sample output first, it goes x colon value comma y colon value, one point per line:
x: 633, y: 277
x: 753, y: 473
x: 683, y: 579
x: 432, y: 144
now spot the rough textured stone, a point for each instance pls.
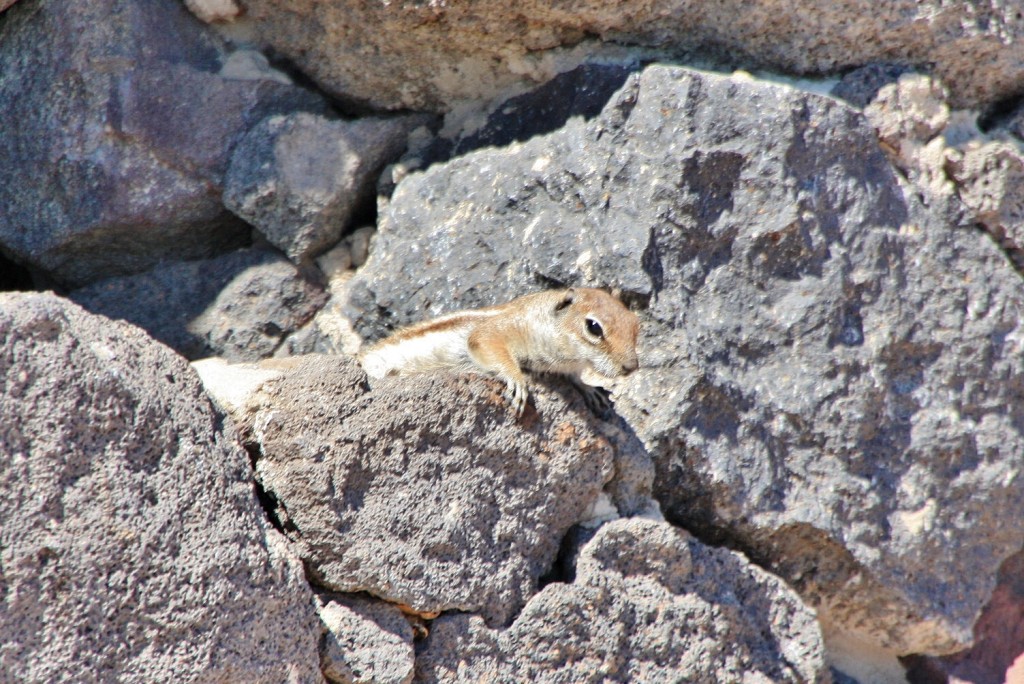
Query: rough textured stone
x: 998, y: 638
x: 648, y: 604
x: 910, y: 111
x: 430, y: 55
x: 116, y: 134
x: 298, y: 178
x: 974, y: 178
x: 367, y: 641
x: 990, y: 181
x: 1014, y: 121
x: 239, y: 305
x: 212, y: 11
x: 132, y: 545
x: 911, y: 116
x: 330, y: 331
x: 425, y: 491
x: 230, y: 385
x: 830, y: 375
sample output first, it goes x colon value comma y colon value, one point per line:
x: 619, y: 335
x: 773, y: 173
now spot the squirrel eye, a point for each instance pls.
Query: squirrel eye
x: 594, y: 328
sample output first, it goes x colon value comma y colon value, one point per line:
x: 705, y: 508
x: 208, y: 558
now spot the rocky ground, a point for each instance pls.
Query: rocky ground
x: 817, y: 212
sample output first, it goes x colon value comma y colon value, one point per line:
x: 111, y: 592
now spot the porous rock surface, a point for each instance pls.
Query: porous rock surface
x: 970, y: 176
x: 425, y: 491
x: 116, y: 135
x: 649, y: 603
x: 298, y: 178
x: 990, y: 176
x: 132, y: 546
x: 367, y: 641
x: 431, y: 55
x: 239, y: 305
x: 830, y: 375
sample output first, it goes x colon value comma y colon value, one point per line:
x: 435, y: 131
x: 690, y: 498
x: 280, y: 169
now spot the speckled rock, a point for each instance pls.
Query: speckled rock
x: 367, y: 641
x: 239, y: 306
x: 830, y: 372
x: 132, y: 544
x: 648, y: 604
x: 432, y: 55
x: 990, y: 182
x: 425, y: 491
x: 298, y: 178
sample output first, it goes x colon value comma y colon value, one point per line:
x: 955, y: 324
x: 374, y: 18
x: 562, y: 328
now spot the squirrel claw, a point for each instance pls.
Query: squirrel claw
x: 596, y: 398
x: 517, y: 397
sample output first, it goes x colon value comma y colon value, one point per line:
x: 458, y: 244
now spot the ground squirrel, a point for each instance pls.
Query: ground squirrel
x: 560, y: 331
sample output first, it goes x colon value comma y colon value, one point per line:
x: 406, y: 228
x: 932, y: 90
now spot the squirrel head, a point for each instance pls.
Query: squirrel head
x: 604, y: 329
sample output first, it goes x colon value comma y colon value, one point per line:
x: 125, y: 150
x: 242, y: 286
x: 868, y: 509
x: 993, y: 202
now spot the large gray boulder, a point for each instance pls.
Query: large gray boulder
x: 299, y: 178
x: 116, y: 135
x: 433, y: 55
x: 132, y: 544
x: 649, y: 603
x: 830, y: 375
x: 425, y: 491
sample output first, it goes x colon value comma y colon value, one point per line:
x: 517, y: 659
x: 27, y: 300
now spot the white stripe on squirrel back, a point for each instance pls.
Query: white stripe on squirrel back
x: 562, y: 331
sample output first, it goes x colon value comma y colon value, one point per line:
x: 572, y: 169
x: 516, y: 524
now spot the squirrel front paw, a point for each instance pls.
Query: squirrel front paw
x: 596, y: 399
x: 517, y: 394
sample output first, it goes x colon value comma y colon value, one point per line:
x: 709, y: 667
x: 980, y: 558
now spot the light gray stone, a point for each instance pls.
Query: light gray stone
x: 367, y: 641
x: 990, y: 181
x: 434, y: 55
x: 132, y: 546
x: 239, y: 306
x: 425, y: 491
x: 116, y: 135
x: 298, y: 178
x: 212, y: 11
x: 648, y: 604
x: 973, y: 178
x: 830, y: 373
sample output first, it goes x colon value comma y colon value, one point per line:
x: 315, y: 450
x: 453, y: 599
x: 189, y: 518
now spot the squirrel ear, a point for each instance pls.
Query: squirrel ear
x: 566, y: 300
x: 616, y: 292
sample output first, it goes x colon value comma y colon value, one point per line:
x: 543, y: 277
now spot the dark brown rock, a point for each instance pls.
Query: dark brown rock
x: 433, y: 55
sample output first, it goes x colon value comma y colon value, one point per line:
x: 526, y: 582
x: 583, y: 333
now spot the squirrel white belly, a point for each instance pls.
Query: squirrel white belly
x: 560, y: 331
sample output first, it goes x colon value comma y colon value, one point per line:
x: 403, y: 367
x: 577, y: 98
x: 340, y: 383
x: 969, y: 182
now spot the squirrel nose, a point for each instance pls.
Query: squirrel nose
x: 630, y: 364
